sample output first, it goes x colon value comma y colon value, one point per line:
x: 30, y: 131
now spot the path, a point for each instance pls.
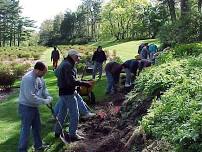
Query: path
x: 46, y: 57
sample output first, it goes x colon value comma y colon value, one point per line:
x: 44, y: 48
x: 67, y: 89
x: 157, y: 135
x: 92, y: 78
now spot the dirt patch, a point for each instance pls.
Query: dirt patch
x: 108, y: 131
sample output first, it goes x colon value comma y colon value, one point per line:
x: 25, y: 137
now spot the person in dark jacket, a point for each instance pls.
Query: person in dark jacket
x: 140, y: 47
x: 130, y: 67
x: 55, y: 56
x: 99, y: 57
x: 68, y: 97
x: 113, y: 70
x: 144, y: 54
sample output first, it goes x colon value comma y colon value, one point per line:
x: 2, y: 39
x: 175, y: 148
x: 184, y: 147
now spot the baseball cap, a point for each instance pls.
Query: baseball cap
x: 72, y: 52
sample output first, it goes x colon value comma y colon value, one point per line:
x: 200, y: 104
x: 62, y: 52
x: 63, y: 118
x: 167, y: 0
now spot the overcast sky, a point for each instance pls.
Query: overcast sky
x: 40, y: 10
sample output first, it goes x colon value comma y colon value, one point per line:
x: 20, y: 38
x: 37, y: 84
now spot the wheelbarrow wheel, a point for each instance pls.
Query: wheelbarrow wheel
x: 91, y: 97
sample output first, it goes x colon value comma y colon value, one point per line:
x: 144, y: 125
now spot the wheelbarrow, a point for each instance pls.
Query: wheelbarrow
x: 87, y: 91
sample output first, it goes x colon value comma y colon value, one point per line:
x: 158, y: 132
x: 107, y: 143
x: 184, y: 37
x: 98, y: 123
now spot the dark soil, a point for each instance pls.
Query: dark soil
x: 108, y: 131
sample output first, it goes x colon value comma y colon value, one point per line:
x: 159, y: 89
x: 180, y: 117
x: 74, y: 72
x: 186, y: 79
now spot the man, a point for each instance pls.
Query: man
x: 130, y: 67
x: 113, y: 70
x: 33, y: 92
x: 140, y: 47
x: 69, y: 98
x: 98, y: 57
x: 144, y: 52
x: 55, y: 56
x: 152, y: 50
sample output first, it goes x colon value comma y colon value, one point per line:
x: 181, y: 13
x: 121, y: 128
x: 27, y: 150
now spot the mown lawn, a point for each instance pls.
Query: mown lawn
x: 125, y: 50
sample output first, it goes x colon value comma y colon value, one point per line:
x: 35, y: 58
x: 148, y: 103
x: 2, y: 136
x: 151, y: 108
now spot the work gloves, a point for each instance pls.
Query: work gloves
x: 48, y: 100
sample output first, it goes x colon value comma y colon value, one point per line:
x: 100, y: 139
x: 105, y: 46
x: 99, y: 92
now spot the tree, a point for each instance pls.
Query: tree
x: 11, y: 23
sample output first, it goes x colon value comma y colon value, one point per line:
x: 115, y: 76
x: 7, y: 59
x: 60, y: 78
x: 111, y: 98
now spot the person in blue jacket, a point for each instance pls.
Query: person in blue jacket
x: 152, y: 50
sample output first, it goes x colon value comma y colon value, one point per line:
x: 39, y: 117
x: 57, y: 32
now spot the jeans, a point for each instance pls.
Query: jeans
x: 97, y: 67
x: 74, y: 104
x: 110, y: 82
x: 30, y: 118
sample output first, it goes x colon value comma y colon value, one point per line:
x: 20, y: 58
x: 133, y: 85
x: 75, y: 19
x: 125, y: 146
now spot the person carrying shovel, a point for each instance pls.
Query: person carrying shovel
x: 69, y: 98
x: 33, y: 92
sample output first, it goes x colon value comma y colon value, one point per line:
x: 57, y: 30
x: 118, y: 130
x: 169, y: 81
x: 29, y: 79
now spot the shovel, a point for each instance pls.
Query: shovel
x: 50, y: 106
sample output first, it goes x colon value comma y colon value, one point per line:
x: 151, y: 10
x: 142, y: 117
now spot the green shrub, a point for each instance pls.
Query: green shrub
x: 20, y: 69
x: 188, y: 49
x: 164, y: 57
x: 7, y: 77
x: 175, y: 117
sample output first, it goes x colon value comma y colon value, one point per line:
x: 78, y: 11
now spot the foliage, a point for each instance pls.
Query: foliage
x: 176, y: 115
x: 14, y: 28
x: 188, y: 49
x: 7, y: 77
x: 12, y: 53
x: 20, y: 69
x: 181, y: 31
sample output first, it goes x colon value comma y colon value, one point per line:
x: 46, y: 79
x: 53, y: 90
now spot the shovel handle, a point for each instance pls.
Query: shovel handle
x: 50, y: 106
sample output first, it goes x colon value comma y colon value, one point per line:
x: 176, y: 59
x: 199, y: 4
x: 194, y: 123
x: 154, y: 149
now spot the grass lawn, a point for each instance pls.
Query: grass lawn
x: 125, y: 50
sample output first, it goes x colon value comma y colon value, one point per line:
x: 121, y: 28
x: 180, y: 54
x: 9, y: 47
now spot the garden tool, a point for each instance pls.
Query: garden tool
x: 50, y: 106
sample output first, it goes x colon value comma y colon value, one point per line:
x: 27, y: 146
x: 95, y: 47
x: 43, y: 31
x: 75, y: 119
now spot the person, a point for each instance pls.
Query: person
x: 69, y: 99
x: 99, y: 57
x: 144, y: 52
x: 113, y: 70
x: 33, y: 92
x: 55, y: 56
x: 152, y: 50
x: 130, y: 67
x: 140, y: 47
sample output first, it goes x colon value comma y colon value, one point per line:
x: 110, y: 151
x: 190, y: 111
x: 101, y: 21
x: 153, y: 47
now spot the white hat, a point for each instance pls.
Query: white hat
x: 72, y: 52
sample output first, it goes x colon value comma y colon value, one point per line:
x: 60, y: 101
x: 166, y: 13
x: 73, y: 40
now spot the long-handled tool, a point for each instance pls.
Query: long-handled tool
x: 50, y: 106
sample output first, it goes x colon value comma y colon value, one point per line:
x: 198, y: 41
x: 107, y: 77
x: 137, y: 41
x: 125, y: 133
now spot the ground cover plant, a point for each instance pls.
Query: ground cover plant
x: 175, y: 114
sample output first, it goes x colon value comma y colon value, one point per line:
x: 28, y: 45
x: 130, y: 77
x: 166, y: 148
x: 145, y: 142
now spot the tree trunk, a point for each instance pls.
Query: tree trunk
x: 200, y: 28
x: 184, y: 5
x: 171, y: 5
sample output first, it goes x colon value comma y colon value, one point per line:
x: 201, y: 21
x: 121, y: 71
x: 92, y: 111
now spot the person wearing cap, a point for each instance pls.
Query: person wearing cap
x: 69, y: 99
x: 33, y: 92
x: 99, y: 57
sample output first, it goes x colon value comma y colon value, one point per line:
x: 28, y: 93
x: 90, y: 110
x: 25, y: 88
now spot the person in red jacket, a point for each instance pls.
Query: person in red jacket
x: 55, y: 56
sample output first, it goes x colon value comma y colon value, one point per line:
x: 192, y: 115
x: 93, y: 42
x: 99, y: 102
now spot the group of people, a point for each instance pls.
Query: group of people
x: 33, y: 92
x: 131, y: 67
x: 147, y: 51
